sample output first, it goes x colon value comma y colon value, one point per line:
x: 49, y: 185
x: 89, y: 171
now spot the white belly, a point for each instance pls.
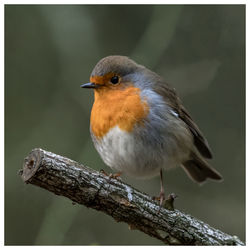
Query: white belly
x: 124, y: 152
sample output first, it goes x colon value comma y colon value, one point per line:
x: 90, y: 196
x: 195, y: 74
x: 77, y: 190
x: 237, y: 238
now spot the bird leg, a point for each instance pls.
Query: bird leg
x: 162, y: 192
x: 166, y: 203
x: 161, y: 196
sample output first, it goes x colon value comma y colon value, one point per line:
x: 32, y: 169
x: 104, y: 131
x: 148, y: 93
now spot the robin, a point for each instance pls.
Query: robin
x: 139, y: 125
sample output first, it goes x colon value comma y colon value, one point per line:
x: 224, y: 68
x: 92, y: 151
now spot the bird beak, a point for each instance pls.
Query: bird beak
x: 89, y: 85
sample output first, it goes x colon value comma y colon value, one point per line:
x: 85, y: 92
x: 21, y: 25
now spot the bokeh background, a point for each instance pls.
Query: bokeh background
x: 51, y: 49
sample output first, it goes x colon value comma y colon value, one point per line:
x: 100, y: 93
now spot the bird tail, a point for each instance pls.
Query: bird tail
x: 199, y: 170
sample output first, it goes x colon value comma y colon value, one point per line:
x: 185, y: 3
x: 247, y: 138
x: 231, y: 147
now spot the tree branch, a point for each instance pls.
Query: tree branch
x: 88, y: 187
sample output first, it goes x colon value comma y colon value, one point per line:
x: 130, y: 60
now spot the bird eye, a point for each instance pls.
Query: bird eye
x: 114, y: 79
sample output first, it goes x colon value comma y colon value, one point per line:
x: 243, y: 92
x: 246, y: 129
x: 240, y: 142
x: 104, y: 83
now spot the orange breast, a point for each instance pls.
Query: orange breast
x: 117, y: 107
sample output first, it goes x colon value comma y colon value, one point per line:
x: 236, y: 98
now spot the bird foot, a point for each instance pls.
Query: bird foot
x: 160, y: 198
x: 166, y: 203
x: 114, y: 176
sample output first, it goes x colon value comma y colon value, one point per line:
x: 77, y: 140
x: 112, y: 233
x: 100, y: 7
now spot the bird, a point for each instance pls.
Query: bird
x: 140, y: 127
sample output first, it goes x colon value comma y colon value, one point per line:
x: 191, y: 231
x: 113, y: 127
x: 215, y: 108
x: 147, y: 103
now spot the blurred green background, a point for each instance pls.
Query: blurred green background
x: 51, y: 49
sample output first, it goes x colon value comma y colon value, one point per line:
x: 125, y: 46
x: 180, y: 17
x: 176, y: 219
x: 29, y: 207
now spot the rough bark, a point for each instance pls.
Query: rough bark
x: 88, y: 187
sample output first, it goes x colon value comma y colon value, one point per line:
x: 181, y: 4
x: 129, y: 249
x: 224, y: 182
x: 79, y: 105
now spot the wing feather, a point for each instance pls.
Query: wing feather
x: 174, y: 102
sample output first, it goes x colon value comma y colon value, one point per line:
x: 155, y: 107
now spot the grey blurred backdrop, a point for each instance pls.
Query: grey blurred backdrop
x: 51, y: 49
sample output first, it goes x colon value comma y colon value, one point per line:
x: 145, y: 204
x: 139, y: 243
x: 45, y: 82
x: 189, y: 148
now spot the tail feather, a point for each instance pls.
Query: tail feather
x: 199, y: 170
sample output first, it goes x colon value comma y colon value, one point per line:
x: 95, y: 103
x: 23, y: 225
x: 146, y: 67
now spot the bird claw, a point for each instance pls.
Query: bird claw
x: 113, y: 176
x: 103, y: 172
x: 166, y: 203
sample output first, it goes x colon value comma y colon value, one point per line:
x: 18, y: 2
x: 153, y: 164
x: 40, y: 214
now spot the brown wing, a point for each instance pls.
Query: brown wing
x: 199, y: 140
x: 174, y: 102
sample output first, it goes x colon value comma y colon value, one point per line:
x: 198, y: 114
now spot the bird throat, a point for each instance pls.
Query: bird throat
x: 117, y: 107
